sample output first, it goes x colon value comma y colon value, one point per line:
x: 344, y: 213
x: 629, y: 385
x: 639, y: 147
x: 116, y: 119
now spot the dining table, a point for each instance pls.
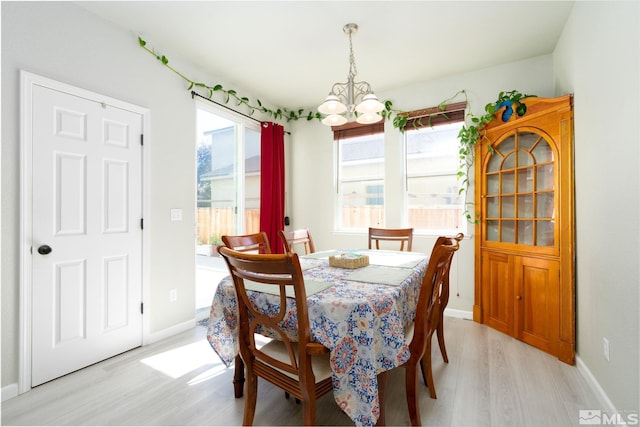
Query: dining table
x: 359, y: 314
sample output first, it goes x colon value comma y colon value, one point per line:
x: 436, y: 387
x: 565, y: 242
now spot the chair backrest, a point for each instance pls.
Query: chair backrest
x: 255, y: 243
x: 428, y: 308
x: 443, y: 239
x: 402, y: 235
x: 444, y: 296
x: 276, y: 272
x: 447, y: 240
x: 297, y: 237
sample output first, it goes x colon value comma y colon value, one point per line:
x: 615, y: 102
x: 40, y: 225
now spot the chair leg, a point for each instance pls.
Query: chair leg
x: 251, y: 394
x: 238, y: 377
x: 382, y: 390
x: 411, y: 385
x: 427, y: 375
x: 440, y: 334
x: 309, y: 412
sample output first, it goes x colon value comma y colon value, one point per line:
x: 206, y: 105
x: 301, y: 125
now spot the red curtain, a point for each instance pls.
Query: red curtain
x: 272, y: 183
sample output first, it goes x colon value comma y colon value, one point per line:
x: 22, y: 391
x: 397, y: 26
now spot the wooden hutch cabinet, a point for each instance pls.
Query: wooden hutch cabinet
x: 524, y: 245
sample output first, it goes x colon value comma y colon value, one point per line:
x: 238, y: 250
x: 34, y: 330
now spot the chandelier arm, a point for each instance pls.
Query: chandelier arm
x: 338, y: 89
x: 360, y: 89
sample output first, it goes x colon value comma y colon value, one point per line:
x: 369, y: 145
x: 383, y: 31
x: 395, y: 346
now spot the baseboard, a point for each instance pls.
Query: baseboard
x: 169, y: 332
x: 607, y: 404
x: 9, y: 391
x: 460, y: 314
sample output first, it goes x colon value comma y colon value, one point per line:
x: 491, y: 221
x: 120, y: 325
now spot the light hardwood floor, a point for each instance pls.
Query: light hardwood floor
x: 490, y: 380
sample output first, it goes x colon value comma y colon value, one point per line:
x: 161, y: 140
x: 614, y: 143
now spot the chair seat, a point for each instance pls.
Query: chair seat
x: 408, y: 333
x: 319, y: 363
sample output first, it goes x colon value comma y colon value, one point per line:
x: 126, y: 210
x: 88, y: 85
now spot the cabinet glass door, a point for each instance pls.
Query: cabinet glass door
x: 519, y: 191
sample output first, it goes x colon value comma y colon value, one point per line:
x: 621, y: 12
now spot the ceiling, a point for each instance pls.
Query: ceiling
x: 289, y: 53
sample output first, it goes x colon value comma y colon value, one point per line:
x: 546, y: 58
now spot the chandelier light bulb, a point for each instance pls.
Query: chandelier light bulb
x: 368, y: 118
x: 370, y: 104
x: 334, y: 120
x: 332, y: 105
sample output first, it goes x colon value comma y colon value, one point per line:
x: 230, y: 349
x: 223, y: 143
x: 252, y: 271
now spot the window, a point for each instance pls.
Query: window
x: 360, y: 177
x: 417, y: 186
x: 433, y: 203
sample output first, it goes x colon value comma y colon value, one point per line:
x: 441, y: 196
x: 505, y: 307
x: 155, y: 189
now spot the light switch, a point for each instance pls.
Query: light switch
x: 176, y: 214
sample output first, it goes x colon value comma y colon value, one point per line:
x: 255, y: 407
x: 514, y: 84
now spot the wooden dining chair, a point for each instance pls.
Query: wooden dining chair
x: 402, y: 235
x: 297, y: 237
x: 418, y: 335
x: 444, y: 297
x: 300, y: 368
x: 257, y: 243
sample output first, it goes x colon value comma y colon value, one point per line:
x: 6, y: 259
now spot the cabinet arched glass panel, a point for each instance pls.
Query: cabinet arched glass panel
x: 519, y: 193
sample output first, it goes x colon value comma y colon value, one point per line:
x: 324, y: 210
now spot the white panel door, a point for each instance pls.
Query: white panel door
x: 87, y: 239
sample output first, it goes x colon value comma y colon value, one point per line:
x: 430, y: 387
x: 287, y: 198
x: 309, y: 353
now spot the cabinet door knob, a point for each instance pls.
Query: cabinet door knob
x: 518, y: 297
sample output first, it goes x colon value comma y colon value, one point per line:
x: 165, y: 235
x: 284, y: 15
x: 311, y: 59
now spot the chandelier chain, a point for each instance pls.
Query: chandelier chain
x: 352, y: 60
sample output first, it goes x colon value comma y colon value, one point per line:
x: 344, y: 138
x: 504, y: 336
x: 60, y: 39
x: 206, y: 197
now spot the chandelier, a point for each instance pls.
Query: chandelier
x: 352, y: 99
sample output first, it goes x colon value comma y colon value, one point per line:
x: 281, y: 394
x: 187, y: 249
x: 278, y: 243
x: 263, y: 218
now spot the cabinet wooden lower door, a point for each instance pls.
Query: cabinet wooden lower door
x: 497, y: 297
x: 536, y: 306
x: 521, y: 297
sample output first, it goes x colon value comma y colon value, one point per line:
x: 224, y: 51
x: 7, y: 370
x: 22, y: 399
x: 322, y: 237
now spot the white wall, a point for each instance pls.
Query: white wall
x: 312, y: 182
x: 61, y: 41
x: 597, y: 59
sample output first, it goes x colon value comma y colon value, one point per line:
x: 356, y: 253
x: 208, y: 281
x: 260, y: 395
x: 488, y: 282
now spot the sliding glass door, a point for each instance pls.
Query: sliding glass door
x: 228, y: 177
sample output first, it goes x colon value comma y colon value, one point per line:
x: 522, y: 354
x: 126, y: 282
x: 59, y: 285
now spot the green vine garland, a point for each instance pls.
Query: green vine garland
x: 280, y: 113
x: 470, y: 134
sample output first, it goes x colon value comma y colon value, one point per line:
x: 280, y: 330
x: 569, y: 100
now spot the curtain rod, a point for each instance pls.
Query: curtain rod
x: 194, y: 94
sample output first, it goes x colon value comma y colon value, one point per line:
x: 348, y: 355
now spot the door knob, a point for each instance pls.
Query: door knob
x: 518, y: 297
x: 44, y: 249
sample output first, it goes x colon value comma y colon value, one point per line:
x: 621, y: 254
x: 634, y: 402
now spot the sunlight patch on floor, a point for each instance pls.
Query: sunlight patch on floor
x: 209, y: 374
x: 182, y: 360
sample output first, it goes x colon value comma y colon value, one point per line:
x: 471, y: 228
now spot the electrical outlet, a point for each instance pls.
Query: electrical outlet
x: 173, y: 295
x: 605, y: 348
